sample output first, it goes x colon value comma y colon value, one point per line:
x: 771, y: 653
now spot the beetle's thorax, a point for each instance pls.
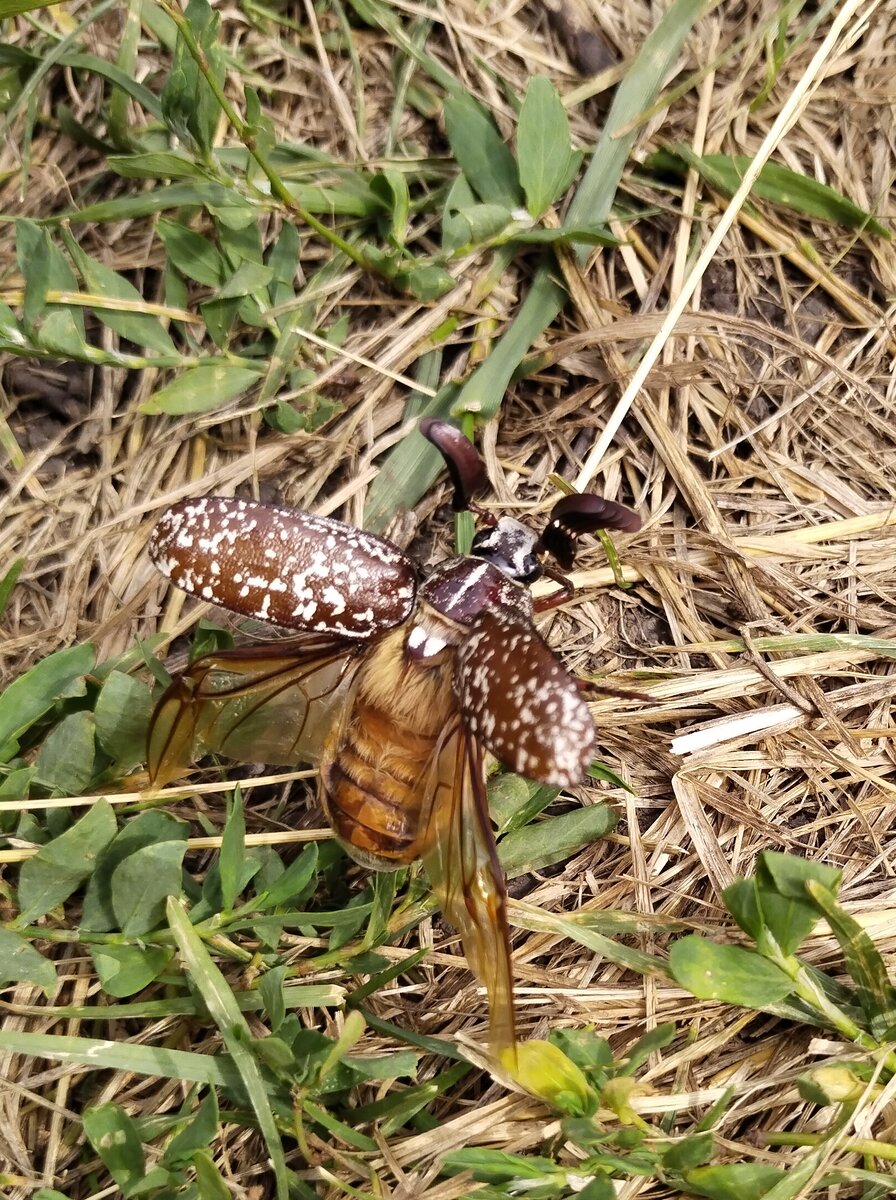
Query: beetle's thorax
x: 462, y: 587
x: 452, y: 597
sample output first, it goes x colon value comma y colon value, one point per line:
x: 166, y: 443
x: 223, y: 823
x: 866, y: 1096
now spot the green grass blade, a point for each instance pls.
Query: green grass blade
x: 590, y: 206
x: 100, y: 1054
x: 637, y: 91
x: 863, y: 962
x: 235, y: 1033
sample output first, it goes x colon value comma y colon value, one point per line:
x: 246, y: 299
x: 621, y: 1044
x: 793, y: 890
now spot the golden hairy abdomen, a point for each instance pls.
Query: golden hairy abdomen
x: 374, y: 772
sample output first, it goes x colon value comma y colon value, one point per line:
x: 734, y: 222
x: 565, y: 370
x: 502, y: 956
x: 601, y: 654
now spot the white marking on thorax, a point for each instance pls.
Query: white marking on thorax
x: 471, y: 579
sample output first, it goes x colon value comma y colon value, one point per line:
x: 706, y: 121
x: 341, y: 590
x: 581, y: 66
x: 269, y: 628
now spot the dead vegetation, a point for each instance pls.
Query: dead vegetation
x: 759, y: 452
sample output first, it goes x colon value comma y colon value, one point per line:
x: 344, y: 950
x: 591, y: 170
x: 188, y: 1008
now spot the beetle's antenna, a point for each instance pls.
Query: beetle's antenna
x: 582, y: 513
x: 465, y: 466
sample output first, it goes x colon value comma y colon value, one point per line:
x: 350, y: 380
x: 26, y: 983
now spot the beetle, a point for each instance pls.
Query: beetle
x: 398, y: 686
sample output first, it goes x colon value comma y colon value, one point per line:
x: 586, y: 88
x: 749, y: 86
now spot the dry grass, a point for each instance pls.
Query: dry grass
x: 760, y: 452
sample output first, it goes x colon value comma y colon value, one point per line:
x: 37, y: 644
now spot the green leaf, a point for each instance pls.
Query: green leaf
x: 460, y: 197
x: 8, y: 582
x: 777, y: 184
x: 209, y: 1180
x: 156, y: 164
x: 391, y: 187
x: 100, y: 1054
x: 498, y: 1166
x: 210, y: 385
x: 639, y: 88
x: 339, y: 1130
x: 248, y: 278
x: 742, y: 900
x: 65, y: 761
x: 586, y: 1049
x: 231, y: 860
x: 602, y: 773
x: 122, y: 714
x: 485, y: 160
x: 193, y: 255
x: 242, y: 244
x: 787, y: 920
x: 728, y: 973
x: 45, y: 269
x: 12, y: 8
x: 294, y: 880
x: 464, y: 228
x: 409, y: 471
x: 483, y: 391
x: 260, y: 129
x: 583, y: 927
x: 114, y: 1137
x: 61, y: 865
x: 648, y: 1044
x: 690, y: 1152
x: 222, y: 202
x: 197, y: 1134
x: 270, y: 988
x: 787, y: 910
x: 142, y: 884
x: 143, y: 329
x: 426, y: 283
x: 21, y: 963
x: 16, y: 784
x: 189, y: 106
x: 220, y: 318
x: 554, y: 839
x: 789, y: 874
x: 11, y: 331
x: 733, y: 1181
x: 510, y: 800
x: 546, y: 158
x: 564, y: 235
x: 863, y: 962
x: 125, y: 970
x: 599, y: 1188
x: 283, y: 260
x: 148, y: 828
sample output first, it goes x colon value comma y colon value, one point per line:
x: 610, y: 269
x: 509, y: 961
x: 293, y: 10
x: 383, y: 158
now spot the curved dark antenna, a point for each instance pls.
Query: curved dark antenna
x: 466, y: 468
x: 574, y: 515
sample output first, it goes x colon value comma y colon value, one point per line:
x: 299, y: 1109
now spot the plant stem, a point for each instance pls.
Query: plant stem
x: 885, y: 1150
x: 246, y: 135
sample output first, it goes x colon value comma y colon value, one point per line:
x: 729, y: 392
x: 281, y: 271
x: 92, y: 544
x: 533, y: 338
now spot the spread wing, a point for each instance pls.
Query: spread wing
x: 255, y: 704
x: 457, y: 847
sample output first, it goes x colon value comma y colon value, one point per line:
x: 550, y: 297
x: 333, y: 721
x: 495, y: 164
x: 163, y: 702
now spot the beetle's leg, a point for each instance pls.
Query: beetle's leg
x: 555, y: 599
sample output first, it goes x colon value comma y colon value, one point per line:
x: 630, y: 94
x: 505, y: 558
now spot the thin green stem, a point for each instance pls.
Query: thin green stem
x: 809, y: 991
x: 246, y: 135
x: 866, y: 1146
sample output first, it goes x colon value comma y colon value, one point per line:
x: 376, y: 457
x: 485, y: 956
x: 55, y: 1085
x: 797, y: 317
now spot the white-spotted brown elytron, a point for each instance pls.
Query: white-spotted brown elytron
x: 397, y: 686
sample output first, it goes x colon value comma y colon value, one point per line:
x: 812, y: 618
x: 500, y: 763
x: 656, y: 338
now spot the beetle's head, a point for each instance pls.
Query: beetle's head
x: 507, y: 543
x: 511, y: 546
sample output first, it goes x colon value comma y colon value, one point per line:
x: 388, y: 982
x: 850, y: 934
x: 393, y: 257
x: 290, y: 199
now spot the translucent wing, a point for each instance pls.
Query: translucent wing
x: 457, y: 847
x: 518, y: 699
x: 255, y: 704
